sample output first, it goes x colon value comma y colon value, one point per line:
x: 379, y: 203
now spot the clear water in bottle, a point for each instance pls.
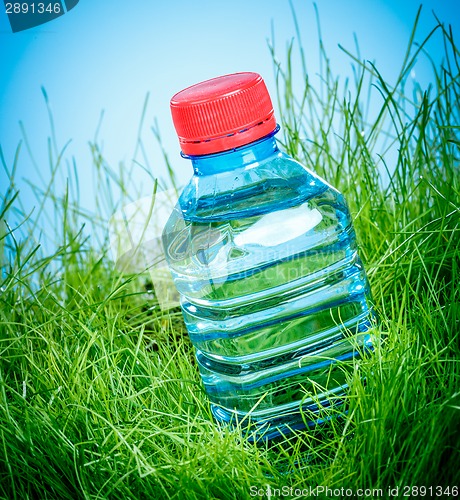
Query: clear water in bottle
x: 273, y: 292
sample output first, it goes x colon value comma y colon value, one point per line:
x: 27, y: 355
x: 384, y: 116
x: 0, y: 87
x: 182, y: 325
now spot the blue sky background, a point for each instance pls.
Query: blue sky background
x: 107, y: 55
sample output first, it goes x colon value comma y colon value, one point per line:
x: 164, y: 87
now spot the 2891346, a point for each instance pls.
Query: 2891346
x: 430, y: 491
x: 33, y: 8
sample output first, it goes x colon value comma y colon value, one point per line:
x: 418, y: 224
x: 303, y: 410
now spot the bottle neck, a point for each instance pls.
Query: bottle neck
x: 243, y: 156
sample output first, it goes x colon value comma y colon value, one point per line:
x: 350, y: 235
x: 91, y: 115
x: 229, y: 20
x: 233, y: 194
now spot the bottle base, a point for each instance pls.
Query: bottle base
x: 282, y: 420
x: 280, y: 425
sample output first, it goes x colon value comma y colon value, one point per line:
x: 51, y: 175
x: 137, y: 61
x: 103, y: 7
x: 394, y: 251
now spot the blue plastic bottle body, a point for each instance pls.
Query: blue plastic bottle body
x: 273, y: 292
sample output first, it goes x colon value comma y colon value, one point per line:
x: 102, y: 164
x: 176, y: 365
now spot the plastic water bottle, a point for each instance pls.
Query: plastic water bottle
x: 264, y: 256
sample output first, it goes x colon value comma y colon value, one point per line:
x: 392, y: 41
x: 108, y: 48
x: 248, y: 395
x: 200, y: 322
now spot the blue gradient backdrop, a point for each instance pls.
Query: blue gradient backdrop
x: 107, y: 55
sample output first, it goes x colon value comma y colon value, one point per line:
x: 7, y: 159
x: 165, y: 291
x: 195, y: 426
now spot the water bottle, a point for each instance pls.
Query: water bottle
x: 263, y: 254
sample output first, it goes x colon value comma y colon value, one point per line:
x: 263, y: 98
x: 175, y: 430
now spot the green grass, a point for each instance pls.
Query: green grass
x: 99, y: 393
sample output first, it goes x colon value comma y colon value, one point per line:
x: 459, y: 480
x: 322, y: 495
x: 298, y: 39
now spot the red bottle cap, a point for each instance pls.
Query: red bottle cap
x: 222, y: 113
